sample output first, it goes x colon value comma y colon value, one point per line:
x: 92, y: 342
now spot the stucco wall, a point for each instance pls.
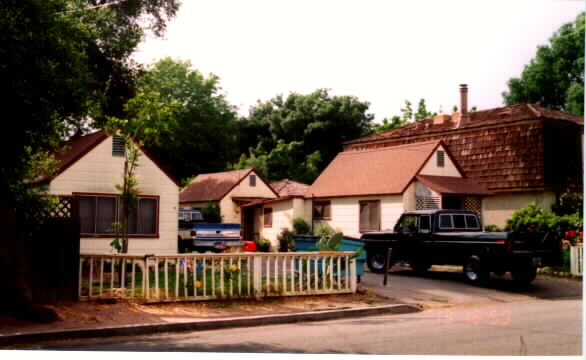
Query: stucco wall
x: 409, y: 200
x: 99, y: 172
x: 345, y: 212
x: 283, y: 215
x: 497, y: 209
x: 230, y: 210
x: 431, y: 168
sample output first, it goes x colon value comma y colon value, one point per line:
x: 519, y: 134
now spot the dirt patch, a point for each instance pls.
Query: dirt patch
x: 94, y: 314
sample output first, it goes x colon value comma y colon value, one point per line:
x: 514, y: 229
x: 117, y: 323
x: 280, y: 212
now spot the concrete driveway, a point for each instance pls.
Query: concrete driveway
x: 445, y: 287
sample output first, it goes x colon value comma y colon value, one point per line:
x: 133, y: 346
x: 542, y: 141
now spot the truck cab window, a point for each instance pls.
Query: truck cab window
x: 459, y: 222
x: 472, y: 222
x: 445, y: 221
x: 424, y: 224
x: 407, y: 224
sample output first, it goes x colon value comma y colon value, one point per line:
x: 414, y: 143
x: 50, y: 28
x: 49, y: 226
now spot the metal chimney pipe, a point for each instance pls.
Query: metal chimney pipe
x: 464, y: 100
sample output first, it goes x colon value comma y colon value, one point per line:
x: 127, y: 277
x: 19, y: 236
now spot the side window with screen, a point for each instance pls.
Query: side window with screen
x: 424, y: 224
x: 472, y: 222
x: 459, y: 222
x: 445, y: 221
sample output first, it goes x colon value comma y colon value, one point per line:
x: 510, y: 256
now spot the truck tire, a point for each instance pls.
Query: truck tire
x: 376, y: 262
x: 474, y: 270
x: 523, y: 276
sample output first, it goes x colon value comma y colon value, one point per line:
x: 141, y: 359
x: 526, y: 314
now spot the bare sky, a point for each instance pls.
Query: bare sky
x: 383, y: 52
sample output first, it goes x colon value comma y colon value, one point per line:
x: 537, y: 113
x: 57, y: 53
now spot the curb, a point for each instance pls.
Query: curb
x: 129, y: 330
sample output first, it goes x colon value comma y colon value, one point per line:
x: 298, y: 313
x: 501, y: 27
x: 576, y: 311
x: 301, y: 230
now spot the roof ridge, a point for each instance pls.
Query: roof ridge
x: 390, y: 148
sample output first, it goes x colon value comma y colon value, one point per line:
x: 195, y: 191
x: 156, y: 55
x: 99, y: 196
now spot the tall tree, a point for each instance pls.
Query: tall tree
x: 393, y: 123
x: 555, y: 76
x: 185, y: 114
x: 63, y: 62
x: 318, y: 121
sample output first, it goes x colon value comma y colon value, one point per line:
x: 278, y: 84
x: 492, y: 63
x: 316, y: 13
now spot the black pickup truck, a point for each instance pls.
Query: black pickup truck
x: 454, y: 237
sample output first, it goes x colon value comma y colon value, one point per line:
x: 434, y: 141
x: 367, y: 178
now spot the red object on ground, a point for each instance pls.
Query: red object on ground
x: 249, y: 246
x: 570, y: 234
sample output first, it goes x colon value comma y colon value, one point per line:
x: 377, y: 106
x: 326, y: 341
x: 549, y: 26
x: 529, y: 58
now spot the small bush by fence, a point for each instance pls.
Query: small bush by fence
x: 192, y: 277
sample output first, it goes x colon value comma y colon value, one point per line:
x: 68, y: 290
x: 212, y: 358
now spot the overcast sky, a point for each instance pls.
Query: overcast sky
x: 383, y: 52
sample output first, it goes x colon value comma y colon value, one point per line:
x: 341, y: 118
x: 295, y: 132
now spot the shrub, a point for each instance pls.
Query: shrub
x: 301, y: 227
x: 492, y: 228
x: 533, y: 218
x: 263, y: 245
x: 286, y: 241
x: 211, y: 213
x: 570, y: 203
x: 323, y: 229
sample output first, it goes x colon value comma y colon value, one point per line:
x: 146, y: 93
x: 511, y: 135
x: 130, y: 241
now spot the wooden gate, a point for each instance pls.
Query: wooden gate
x: 53, y: 248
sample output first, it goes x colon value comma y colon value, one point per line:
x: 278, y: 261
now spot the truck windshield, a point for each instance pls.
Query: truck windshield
x: 407, y: 224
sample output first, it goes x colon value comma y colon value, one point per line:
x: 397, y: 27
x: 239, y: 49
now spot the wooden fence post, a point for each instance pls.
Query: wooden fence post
x: 257, y: 277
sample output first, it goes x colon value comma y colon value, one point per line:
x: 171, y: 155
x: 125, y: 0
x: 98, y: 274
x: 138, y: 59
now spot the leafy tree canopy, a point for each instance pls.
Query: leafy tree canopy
x: 62, y: 62
x: 407, y: 116
x: 183, y: 118
x: 309, y: 124
x: 555, y: 76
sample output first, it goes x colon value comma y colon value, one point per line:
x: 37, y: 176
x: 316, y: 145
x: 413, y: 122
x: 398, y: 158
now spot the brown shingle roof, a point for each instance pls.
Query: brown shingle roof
x: 453, y: 185
x: 212, y: 187
x: 372, y: 172
x: 501, y: 115
x: 288, y: 187
x: 503, y: 148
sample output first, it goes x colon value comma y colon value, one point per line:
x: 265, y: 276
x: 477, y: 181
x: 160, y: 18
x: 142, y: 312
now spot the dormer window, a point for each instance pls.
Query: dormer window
x: 440, y: 156
x: 118, y: 146
x: 252, y: 180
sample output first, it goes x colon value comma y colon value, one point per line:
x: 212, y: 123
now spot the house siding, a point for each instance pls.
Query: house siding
x: 283, y: 215
x: 409, y: 197
x: 497, y: 209
x: 230, y: 211
x: 431, y: 168
x: 99, y: 172
x: 345, y: 212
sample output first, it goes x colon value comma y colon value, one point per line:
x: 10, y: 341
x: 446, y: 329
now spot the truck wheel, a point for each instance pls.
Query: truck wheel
x: 523, y: 276
x: 474, y: 270
x: 376, y: 262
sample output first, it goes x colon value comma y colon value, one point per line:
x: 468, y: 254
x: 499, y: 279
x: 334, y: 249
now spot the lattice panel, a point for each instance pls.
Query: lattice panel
x: 427, y: 202
x: 473, y: 203
x: 62, y: 210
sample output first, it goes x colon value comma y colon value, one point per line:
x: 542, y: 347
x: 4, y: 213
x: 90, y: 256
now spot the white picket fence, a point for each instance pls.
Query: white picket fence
x: 192, y: 277
x: 576, y: 260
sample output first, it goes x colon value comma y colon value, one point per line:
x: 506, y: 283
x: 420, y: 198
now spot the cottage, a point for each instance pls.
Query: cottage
x: 89, y: 169
x: 522, y: 153
x: 368, y: 190
x: 267, y: 218
x: 229, y: 190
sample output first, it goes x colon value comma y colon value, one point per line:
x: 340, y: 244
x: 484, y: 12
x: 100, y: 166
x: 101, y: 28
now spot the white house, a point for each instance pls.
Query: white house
x: 368, y: 190
x: 89, y: 169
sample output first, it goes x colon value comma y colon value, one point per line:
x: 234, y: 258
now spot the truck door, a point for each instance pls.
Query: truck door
x: 408, y: 241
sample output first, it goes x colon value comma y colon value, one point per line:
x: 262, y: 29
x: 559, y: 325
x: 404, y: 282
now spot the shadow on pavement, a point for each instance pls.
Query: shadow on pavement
x: 547, y: 289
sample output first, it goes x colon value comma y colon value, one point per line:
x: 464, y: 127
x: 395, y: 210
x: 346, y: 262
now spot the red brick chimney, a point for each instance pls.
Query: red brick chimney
x: 464, y: 103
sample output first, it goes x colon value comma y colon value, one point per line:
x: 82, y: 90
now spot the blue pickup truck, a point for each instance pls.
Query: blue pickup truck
x: 197, y: 235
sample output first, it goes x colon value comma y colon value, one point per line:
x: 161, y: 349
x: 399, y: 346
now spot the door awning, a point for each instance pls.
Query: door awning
x: 453, y: 185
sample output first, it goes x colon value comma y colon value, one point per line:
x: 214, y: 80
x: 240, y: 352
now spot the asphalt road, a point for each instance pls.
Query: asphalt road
x: 541, y: 327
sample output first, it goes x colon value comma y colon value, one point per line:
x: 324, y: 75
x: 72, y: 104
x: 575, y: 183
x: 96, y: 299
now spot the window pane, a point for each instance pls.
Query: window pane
x: 459, y: 221
x: 445, y: 221
x: 424, y: 223
x: 87, y: 214
x: 364, y: 216
x: 105, y: 215
x: 369, y: 215
x: 147, y: 216
x: 472, y: 222
x: 374, y: 216
x: 132, y: 218
x: 268, y: 217
x: 321, y: 210
x: 252, y: 179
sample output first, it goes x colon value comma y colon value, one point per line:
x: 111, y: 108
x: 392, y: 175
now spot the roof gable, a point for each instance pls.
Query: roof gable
x: 77, y: 147
x: 372, y: 172
x: 288, y: 187
x: 215, y: 186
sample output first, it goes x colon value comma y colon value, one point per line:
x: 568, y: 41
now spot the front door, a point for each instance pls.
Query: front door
x: 248, y: 224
